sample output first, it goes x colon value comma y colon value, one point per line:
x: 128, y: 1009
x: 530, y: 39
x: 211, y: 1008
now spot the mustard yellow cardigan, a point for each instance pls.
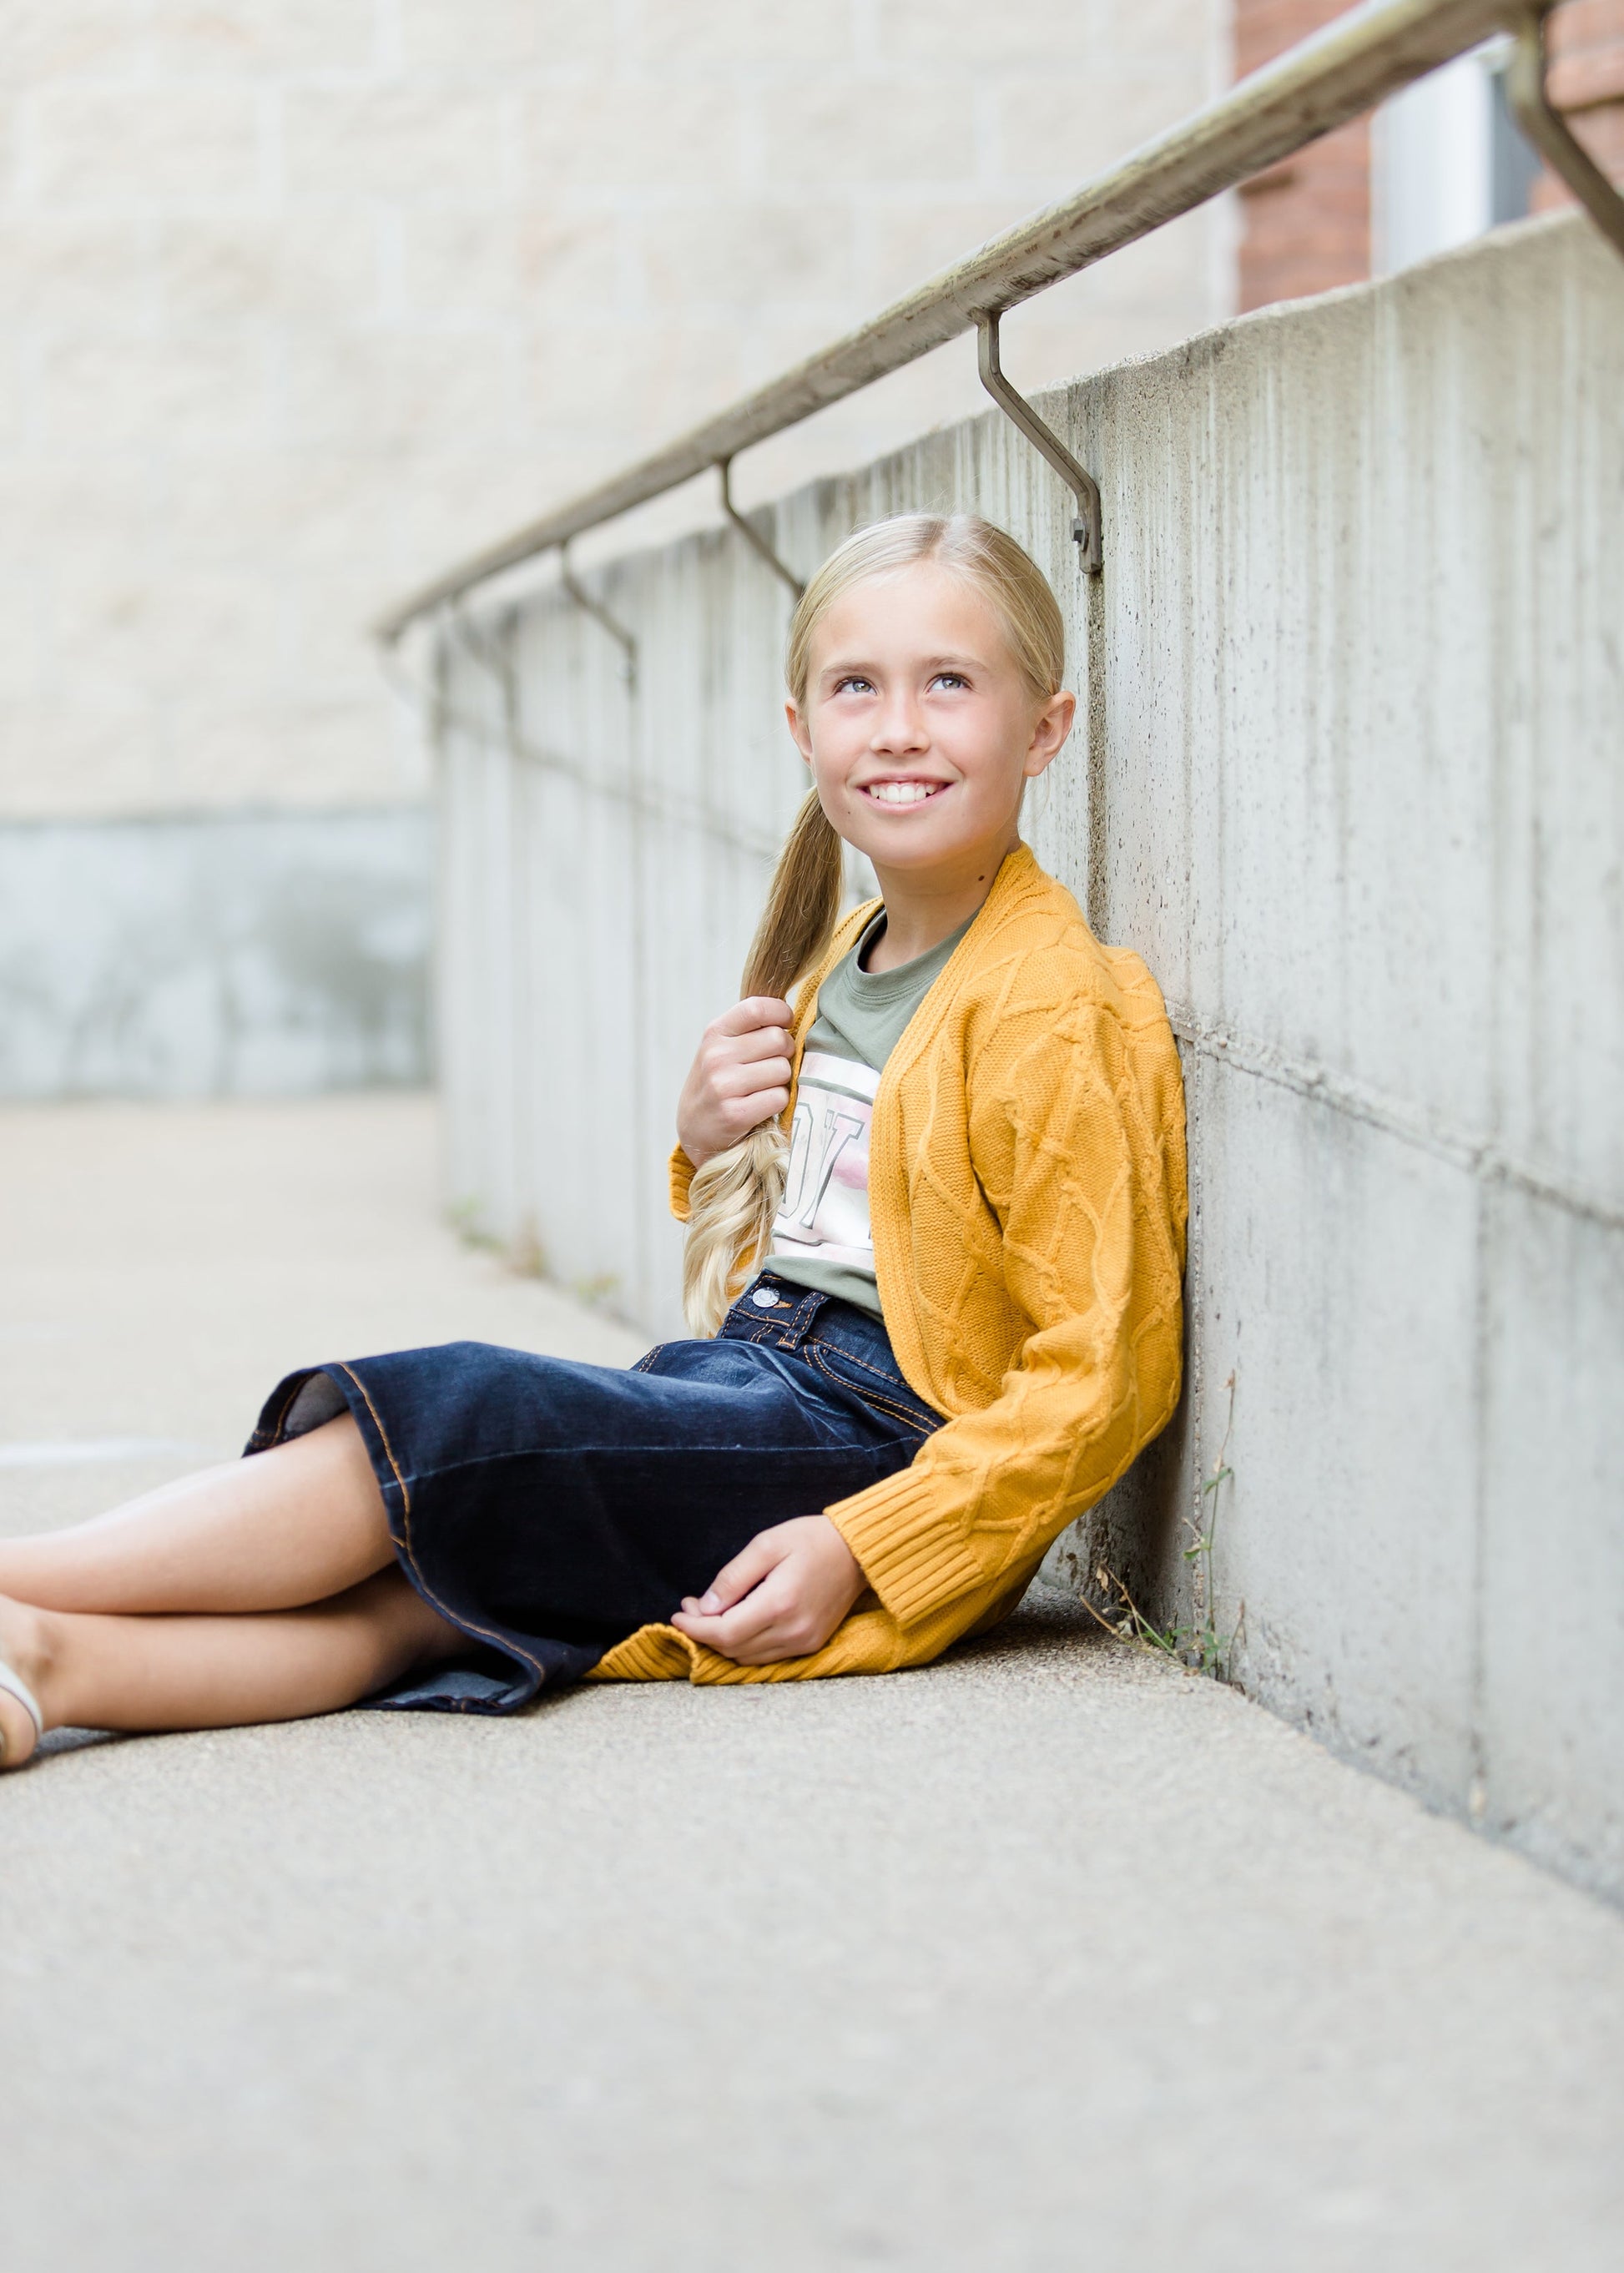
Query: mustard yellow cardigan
x: 1026, y: 1194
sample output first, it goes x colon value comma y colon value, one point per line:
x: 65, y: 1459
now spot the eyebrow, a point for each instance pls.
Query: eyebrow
x: 931, y: 663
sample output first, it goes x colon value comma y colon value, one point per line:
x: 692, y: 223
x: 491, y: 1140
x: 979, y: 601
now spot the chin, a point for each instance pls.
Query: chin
x: 908, y: 850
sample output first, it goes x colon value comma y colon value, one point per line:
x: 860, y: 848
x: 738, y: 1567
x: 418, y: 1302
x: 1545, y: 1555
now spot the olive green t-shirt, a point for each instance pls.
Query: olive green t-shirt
x: 821, y: 1236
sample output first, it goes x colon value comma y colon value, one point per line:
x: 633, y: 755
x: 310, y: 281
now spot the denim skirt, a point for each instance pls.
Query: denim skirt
x: 550, y: 1509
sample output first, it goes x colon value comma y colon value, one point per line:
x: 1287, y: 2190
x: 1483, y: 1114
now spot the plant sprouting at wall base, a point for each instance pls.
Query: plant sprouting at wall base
x: 1199, y: 1646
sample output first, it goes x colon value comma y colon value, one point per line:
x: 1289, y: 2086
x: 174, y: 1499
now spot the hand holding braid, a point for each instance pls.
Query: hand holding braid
x: 735, y: 1192
x: 739, y: 1077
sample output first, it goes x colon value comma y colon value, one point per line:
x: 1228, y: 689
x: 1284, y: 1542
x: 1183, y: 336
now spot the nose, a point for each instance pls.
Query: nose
x: 899, y: 729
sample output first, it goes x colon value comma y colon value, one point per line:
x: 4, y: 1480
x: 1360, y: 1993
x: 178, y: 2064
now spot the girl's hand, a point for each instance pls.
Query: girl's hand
x: 783, y: 1597
x: 739, y: 1079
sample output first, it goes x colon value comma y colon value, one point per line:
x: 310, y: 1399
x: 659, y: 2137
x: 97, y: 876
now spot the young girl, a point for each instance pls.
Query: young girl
x: 953, y: 1178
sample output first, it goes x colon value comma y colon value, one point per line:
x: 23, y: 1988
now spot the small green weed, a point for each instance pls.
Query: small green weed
x: 464, y: 1216
x: 1198, y: 1646
x: 524, y: 1255
x: 526, y: 1258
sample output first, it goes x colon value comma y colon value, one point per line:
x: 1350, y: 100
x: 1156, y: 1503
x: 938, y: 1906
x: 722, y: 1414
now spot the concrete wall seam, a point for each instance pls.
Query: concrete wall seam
x: 1478, y: 1153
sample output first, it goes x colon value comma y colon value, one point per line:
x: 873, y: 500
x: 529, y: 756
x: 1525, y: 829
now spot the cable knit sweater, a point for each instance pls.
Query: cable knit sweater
x: 1026, y: 1193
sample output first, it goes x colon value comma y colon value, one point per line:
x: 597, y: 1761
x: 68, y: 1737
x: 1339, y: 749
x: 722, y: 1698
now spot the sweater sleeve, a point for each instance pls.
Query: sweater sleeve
x: 1071, y: 1160
x: 683, y: 1174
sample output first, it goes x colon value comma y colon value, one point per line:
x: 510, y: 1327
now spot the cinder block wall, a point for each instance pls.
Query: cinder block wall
x: 1349, y: 779
x: 305, y: 298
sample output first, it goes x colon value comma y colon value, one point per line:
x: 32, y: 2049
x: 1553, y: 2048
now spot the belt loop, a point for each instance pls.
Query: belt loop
x: 795, y: 1328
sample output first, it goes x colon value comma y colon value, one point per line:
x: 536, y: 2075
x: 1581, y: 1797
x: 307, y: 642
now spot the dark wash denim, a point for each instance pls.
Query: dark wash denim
x: 550, y: 1509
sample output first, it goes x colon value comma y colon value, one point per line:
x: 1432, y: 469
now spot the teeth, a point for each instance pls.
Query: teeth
x: 902, y: 792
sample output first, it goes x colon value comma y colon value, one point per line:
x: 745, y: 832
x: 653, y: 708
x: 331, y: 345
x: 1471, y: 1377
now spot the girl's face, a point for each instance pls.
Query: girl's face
x: 919, y: 730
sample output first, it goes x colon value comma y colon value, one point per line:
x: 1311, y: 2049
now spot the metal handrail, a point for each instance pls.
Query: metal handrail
x: 1354, y: 63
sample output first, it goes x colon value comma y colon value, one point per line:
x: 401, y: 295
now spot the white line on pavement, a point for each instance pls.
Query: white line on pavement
x: 72, y: 1454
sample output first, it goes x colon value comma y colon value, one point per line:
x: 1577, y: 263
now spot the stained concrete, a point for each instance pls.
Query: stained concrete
x: 1049, y: 1954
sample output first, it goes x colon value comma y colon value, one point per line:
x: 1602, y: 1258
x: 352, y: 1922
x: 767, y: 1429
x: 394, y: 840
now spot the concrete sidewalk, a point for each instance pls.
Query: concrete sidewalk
x: 1050, y: 1955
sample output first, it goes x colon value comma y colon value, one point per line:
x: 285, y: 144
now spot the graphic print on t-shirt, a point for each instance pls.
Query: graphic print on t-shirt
x: 825, y: 1208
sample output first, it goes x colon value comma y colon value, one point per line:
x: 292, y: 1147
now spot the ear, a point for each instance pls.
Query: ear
x: 799, y: 728
x: 1048, y: 734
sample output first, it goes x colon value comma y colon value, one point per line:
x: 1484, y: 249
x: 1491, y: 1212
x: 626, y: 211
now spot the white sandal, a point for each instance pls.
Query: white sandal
x: 14, y: 1686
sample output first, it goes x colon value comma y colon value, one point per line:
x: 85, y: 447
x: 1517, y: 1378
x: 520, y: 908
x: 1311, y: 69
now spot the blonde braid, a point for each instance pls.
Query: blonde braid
x: 734, y: 1197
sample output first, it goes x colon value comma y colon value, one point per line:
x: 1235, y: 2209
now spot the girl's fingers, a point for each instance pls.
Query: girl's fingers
x: 769, y: 1625
x: 732, y: 1119
x: 725, y: 1630
x: 760, y: 1042
x: 745, y: 1635
x: 744, y: 1080
x: 754, y: 1011
x: 735, y: 1580
x: 750, y: 1111
x: 778, y: 1599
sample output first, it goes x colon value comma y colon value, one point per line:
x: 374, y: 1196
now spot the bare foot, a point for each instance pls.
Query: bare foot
x: 20, y: 1650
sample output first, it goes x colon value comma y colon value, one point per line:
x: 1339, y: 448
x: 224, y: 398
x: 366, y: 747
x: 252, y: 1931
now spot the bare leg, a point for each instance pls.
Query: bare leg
x: 98, y: 1672
x: 295, y: 1525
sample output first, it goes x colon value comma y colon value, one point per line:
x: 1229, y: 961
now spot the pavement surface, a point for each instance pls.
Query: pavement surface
x: 1048, y: 1955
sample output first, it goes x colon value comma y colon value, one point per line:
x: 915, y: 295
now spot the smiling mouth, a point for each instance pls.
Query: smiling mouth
x: 902, y: 792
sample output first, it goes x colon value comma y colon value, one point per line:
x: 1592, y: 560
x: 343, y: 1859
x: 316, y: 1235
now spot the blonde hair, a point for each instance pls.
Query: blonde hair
x: 735, y: 1195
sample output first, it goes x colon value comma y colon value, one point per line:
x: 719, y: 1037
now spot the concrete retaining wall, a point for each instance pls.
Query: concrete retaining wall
x: 248, y: 955
x: 1349, y: 779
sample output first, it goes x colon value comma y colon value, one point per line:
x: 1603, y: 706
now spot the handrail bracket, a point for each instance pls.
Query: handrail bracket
x: 1085, y: 526
x: 752, y: 535
x: 1552, y: 136
x: 624, y: 639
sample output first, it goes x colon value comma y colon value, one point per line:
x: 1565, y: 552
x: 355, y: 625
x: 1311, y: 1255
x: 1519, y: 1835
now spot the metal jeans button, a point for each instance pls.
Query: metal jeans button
x: 763, y: 1298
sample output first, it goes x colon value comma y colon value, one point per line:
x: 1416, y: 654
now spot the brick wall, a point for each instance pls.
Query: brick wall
x: 303, y: 298
x: 1306, y: 223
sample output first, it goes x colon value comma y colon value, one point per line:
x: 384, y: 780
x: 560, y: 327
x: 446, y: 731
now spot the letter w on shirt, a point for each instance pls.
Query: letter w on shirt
x: 825, y: 1207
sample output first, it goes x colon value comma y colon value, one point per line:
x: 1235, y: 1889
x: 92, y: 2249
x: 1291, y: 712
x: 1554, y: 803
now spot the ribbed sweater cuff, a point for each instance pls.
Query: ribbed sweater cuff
x: 682, y: 1173
x: 911, y: 1555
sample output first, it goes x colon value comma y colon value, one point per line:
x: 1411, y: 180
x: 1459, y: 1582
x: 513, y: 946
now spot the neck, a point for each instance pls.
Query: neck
x: 924, y: 909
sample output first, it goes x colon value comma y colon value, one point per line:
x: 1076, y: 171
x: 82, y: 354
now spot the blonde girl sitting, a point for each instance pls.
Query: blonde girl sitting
x: 936, y: 1223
